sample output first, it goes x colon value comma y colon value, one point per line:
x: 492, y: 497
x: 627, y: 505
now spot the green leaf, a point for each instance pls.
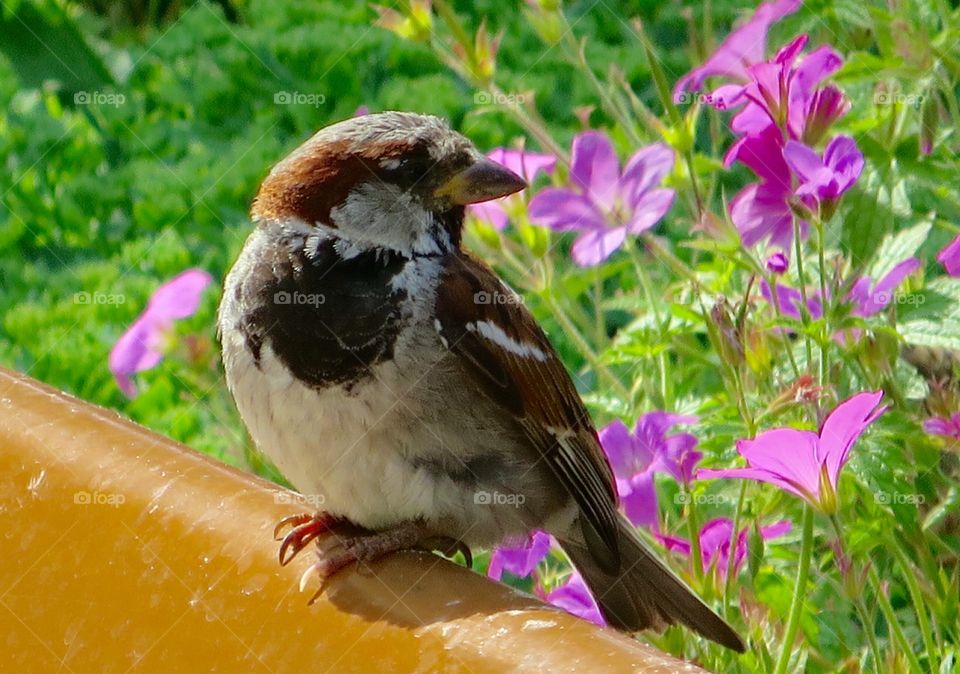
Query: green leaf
x: 28, y: 34
x: 873, y: 208
x: 943, y: 333
x: 898, y: 246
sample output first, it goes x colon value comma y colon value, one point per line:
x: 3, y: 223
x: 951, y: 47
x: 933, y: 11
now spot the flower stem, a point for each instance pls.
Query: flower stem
x: 732, y: 558
x: 799, y: 591
x: 587, y: 351
x: 825, y: 342
x: 892, y: 621
x: 859, y: 606
x: 805, y: 308
x: 933, y: 662
x: 666, y: 388
x: 693, y: 524
x: 600, y: 324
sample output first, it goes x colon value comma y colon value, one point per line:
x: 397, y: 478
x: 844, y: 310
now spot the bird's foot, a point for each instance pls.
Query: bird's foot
x: 304, y: 528
x: 367, y: 546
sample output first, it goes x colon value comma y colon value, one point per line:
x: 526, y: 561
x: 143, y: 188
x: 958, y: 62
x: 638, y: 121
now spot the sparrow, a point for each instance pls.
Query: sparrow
x: 396, y: 379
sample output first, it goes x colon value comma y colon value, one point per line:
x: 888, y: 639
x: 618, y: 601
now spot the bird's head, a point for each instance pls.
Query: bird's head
x: 393, y: 180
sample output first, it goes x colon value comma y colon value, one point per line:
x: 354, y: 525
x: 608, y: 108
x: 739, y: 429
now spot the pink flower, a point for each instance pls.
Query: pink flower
x: 762, y: 210
x: 715, y: 543
x: 827, y: 178
x: 744, y: 46
x: 867, y: 298
x: 789, y: 301
x: 521, y: 560
x: 805, y: 463
x: 948, y: 427
x: 949, y: 257
x: 141, y: 346
x: 826, y: 106
x: 635, y: 458
x: 575, y: 598
x: 781, y: 92
x: 605, y: 205
x: 521, y: 162
x: 870, y: 298
x: 778, y: 263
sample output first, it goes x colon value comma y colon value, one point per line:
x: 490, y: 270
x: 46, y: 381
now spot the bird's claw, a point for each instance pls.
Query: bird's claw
x: 305, y: 528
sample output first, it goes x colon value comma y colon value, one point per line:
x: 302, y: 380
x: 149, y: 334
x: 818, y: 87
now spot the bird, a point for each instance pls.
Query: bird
x: 395, y: 379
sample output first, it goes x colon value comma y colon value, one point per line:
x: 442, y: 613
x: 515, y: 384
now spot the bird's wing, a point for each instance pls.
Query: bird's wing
x: 485, y: 323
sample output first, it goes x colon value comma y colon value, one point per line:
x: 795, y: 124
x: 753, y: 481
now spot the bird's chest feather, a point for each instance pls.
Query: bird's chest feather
x: 329, y: 319
x: 320, y: 354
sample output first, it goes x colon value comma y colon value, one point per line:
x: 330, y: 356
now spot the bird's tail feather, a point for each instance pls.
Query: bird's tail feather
x: 646, y: 593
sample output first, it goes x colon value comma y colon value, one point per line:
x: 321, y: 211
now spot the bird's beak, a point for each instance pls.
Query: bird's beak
x: 481, y: 181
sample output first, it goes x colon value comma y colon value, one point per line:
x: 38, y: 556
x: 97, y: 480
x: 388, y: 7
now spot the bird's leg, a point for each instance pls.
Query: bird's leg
x: 305, y: 528
x: 368, y: 546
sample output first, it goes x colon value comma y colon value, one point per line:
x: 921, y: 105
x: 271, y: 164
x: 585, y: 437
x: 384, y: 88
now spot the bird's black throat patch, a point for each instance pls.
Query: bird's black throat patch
x: 328, y: 319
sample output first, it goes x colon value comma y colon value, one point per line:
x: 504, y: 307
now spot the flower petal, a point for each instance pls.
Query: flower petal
x: 575, y: 598
x: 594, y: 247
x: 618, y: 445
x: 949, y: 257
x: 522, y: 162
x: 180, y: 296
x: 491, y: 212
x: 650, y: 209
x: 759, y: 211
x: 785, y: 457
x: 645, y: 170
x: 594, y: 167
x: 522, y: 560
x: 564, y: 210
x: 638, y: 495
x: 843, y: 426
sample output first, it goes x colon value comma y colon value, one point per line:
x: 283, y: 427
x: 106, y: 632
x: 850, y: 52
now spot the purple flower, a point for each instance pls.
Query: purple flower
x: 778, y: 263
x: 871, y: 298
x: 762, y: 210
x: 635, y: 457
x: 826, y: 106
x: 805, y: 463
x: 575, y: 598
x: 605, y: 205
x: 949, y: 257
x: 521, y: 162
x: 715, y: 543
x: 782, y: 92
x: 789, y: 301
x: 141, y: 347
x: 827, y: 178
x: 521, y: 560
x: 948, y: 427
x: 744, y: 46
x: 866, y: 297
